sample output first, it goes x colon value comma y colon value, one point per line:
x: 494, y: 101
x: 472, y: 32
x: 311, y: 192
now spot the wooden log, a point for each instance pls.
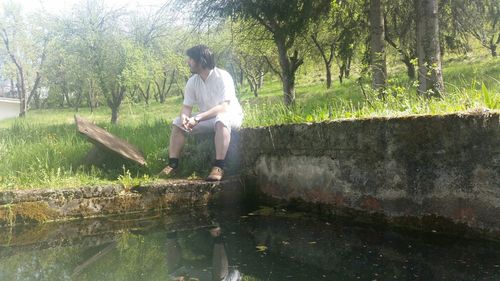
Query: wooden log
x: 106, y: 141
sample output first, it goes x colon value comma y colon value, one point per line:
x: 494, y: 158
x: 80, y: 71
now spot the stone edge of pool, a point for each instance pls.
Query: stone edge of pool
x: 37, y: 206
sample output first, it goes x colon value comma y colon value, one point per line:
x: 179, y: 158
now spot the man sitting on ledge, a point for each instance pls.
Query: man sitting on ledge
x: 212, y: 90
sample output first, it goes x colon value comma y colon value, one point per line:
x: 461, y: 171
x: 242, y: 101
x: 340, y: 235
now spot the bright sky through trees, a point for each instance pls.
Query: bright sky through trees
x: 62, y: 6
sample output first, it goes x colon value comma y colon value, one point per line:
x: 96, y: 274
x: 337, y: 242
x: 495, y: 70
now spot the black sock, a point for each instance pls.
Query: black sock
x: 220, y: 163
x: 173, y: 162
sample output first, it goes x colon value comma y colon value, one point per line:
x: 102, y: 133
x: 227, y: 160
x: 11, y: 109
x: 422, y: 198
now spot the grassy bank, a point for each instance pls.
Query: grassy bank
x: 470, y: 83
x: 43, y: 150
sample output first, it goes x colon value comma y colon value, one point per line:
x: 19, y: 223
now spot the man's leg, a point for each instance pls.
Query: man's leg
x: 222, y: 139
x: 177, y: 141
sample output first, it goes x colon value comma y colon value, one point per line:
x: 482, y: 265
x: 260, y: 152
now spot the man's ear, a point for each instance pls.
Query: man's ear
x: 203, y: 62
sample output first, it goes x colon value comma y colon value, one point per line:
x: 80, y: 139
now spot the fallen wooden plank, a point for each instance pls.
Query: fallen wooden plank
x: 108, y: 142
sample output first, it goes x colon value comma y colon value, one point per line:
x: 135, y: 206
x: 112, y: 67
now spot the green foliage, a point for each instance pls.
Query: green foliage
x: 127, y: 181
x: 284, y: 20
x: 479, y: 19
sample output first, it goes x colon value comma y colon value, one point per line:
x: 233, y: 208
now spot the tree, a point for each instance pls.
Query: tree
x: 481, y: 18
x: 148, y: 28
x: 252, y: 51
x: 430, y: 76
x: 27, y: 49
x: 453, y: 36
x: 173, y: 73
x: 399, y: 30
x: 335, y: 34
x: 377, y: 45
x: 99, y: 40
x: 284, y: 19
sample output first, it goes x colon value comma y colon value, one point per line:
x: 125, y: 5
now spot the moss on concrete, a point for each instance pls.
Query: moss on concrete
x: 27, y: 212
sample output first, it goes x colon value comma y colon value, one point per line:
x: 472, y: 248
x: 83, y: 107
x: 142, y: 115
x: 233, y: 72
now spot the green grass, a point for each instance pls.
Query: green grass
x: 43, y: 150
x: 470, y: 84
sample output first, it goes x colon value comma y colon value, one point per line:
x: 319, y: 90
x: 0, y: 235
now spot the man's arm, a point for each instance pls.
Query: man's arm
x: 212, y: 112
x: 185, y: 115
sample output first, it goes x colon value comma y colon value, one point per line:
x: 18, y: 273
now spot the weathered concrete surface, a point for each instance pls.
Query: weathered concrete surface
x: 424, y: 167
x: 50, y: 205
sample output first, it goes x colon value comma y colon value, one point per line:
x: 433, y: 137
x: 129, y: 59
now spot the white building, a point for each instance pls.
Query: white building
x: 9, y: 108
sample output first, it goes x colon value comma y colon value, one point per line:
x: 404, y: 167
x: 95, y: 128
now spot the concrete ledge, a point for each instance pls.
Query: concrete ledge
x: 412, y: 170
x: 21, y: 207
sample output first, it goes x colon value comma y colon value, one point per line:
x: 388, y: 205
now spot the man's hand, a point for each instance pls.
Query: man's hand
x: 185, y: 122
x: 215, y: 232
x: 190, y: 124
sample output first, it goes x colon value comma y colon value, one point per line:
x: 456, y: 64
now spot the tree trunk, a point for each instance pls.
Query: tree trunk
x: 410, y: 68
x: 114, y: 114
x: 34, y: 93
x: 405, y: 57
x: 12, y: 91
x: 261, y: 79
x: 21, y: 87
x: 61, y: 101
x: 289, y: 66
x: 494, y: 43
x: 377, y: 45
x: 341, y: 73
x: 66, y: 98
x: 253, y: 83
x: 22, y: 94
x: 148, y: 93
x: 172, y: 80
x: 493, y: 48
x: 327, y: 61
x: 78, y: 99
x: 145, y: 93
x: 90, y: 97
x: 158, y: 96
x: 114, y: 102
x: 347, y: 69
x: 328, y: 77
x: 241, y: 75
x: 430, y: 75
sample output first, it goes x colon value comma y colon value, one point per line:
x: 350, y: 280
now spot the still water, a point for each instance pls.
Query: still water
x: 261, y: 245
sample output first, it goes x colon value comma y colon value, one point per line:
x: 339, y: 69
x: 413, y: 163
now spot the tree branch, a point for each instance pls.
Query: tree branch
x: 271, y: 66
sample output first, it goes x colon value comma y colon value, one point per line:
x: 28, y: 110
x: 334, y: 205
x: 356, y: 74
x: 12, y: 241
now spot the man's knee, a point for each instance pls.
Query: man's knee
x: 219, y: 126
x: 176, y: 130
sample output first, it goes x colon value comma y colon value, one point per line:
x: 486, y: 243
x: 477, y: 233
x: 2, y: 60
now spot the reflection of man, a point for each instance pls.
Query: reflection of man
x: 212, y: 90
x: 221, y: 271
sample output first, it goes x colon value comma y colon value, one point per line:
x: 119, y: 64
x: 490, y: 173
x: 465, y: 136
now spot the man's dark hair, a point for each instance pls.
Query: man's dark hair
x: 201, y: 54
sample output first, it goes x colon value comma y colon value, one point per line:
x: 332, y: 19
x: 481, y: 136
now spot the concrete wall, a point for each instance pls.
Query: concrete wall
x: 422, y: 167
x: 9, y: 108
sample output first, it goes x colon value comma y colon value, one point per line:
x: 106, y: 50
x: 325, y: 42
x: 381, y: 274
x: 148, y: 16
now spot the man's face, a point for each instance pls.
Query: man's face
x: 194, y: 67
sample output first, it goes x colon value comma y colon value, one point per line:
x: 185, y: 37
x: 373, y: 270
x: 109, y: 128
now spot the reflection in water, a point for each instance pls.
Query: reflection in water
x: 220, y: 271
x: 246, y: 248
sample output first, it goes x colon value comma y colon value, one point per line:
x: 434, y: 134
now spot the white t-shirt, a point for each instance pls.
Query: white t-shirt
x: 217, y: 88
